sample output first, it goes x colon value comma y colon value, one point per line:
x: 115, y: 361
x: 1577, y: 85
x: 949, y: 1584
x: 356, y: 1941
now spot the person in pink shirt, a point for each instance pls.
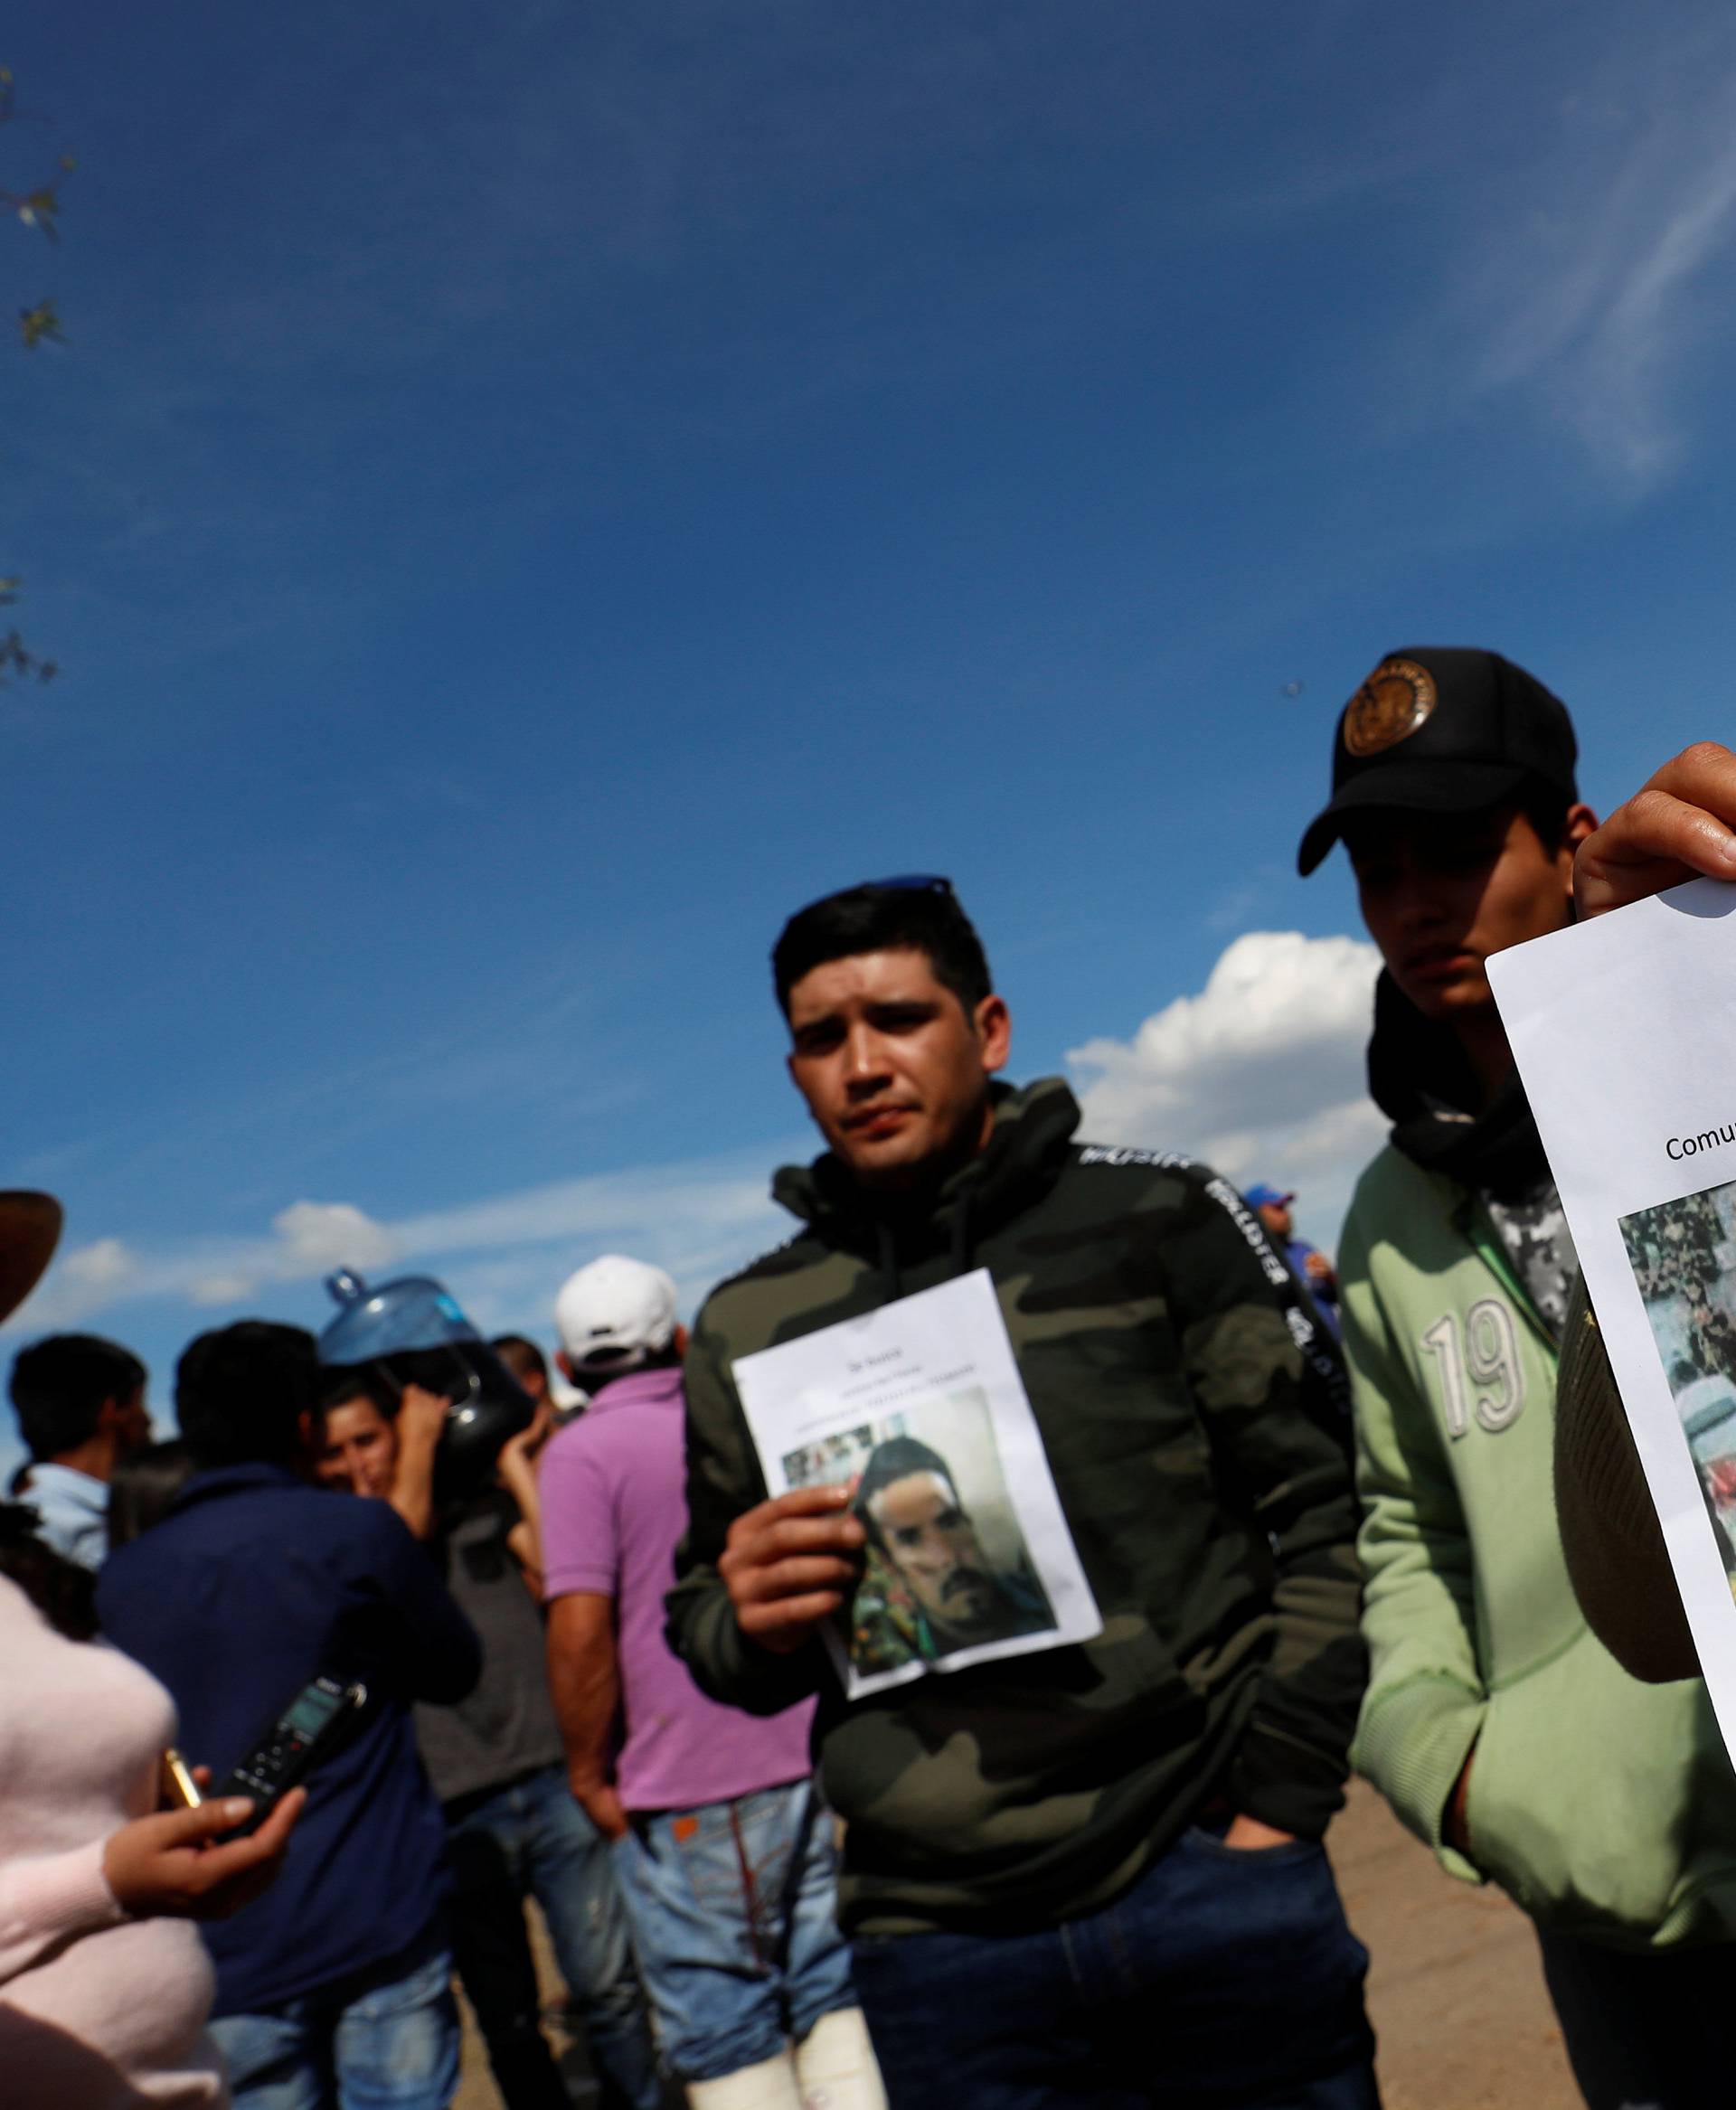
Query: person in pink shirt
x: 723, y: 1850
x: 104, y: 1986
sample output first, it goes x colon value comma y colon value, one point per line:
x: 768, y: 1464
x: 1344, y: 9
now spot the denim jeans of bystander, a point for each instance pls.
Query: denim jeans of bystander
x: 733, y: 1908
x: 1220, y: 1978
x: 380, y: 2040
x: 532, y: 1839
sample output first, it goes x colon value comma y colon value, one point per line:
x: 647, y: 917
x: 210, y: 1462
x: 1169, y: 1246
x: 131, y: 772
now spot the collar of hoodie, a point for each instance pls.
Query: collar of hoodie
x: 1033, y: 1133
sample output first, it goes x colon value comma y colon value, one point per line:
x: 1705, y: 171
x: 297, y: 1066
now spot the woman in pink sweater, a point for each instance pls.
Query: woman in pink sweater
x: 104, y: 1985
x: 104, y: 1982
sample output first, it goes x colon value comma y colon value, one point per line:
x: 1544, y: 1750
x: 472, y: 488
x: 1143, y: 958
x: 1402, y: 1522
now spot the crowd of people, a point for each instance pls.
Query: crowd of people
x: 1315, y: 1508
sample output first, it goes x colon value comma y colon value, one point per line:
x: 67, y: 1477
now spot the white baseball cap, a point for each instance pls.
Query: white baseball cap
x: 613, y: 1314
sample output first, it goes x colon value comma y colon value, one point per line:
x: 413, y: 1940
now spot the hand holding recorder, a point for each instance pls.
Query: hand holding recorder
x: 172, y: 1866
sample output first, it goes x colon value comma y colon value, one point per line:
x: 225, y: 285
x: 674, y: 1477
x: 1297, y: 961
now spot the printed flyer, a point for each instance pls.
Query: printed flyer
x: 1623, y: 1029
x: 920, y: 1409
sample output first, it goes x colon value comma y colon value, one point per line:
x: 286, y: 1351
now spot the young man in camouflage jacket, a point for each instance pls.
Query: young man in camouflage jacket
x: 1090, y: 1874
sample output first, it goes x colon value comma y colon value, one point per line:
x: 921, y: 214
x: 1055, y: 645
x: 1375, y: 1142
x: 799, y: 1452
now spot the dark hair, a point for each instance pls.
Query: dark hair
x: 340, y: 1383
x: 143, y: 1487
x: 433, y: 1369
x: 60, y: 1385
x: 382, y: 1382
x: 240, y: 1392
x: 604, y: 1365
x: 521, y: 1356
x: 64, y: 1593
x: 895, y: 1459
x: 1545, y: 804
x: 874, y: 918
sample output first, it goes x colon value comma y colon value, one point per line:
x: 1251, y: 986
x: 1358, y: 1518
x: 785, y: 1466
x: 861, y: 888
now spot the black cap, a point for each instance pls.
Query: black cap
x: 1443, y: 729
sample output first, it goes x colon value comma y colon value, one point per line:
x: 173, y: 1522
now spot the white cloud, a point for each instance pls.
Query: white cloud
x: 318, y: 1236
x: 507, y: 1255
x: 208, y: 1291
x: 312, y: 1238
x: 1260, y: 1074
x: 82, y: 1280
x: 104, y: 1266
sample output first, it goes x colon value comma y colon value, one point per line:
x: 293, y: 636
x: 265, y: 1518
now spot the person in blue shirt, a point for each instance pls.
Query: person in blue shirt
x: 1308, y: 1263
x: 252, y: 1585
x: 79, y: 1400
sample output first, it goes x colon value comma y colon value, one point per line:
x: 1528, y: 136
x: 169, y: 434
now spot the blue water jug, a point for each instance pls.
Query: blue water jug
x: 414, y: 1333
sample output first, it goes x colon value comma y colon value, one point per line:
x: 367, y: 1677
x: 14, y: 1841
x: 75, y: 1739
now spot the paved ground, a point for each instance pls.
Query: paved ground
x: 1454, y: 1985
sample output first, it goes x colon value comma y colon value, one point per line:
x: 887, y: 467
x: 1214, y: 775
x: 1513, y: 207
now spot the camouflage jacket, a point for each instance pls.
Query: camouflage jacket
x: 1194, y: 1425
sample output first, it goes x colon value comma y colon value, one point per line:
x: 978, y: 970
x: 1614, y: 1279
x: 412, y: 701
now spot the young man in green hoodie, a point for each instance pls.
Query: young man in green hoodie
x: 1089, y: 1874
x: 1501, y: 1729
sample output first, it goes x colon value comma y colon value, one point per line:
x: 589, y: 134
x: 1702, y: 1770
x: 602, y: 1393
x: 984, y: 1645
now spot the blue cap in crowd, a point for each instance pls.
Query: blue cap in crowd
x: 1263, y: 1197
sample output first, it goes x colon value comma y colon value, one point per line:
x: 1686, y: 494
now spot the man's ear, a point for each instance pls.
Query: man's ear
x: 563, y: 1363
x: 1578, y: 824
x: 994, y: 1024
x: 678, y: 1340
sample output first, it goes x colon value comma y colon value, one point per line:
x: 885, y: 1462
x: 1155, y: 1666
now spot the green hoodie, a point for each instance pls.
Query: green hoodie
x: 1605, y: 1808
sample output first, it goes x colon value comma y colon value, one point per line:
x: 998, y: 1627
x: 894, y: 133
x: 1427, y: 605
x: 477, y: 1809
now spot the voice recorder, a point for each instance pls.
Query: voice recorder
x: 316, y: 1722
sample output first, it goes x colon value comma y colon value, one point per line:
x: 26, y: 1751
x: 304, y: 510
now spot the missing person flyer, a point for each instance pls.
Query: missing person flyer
x: 1624, y: 1030
x: 920, y: 1409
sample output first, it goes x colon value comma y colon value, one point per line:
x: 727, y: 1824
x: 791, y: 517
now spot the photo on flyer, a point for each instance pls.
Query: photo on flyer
x: 947, y: 1566
x: 918, y: 1409
x: 1683, y: 1254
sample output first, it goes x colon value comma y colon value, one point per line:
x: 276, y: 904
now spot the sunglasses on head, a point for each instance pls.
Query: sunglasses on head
x: 903, y: 882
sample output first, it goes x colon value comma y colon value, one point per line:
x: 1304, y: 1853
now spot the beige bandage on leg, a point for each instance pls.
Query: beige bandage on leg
x: 770, y: 2086
x: 836, y: 2065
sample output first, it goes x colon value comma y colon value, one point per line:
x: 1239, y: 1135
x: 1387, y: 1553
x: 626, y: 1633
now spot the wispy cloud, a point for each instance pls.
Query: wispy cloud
x: 507, y: 1255
x: 1260, y: 1072
x: 1598, y: 287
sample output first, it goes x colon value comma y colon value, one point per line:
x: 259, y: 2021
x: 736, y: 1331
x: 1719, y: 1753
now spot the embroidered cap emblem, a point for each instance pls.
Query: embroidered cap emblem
x: 1397, y: 699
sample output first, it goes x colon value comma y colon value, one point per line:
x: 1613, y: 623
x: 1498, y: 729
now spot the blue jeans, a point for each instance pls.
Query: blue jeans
x: 532, y: 1837
x: 1220, y: 1978
x: 733, y: 1908
x: 380, y: 2040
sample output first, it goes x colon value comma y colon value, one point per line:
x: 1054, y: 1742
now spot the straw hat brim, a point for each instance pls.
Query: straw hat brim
x: 30, y: 1229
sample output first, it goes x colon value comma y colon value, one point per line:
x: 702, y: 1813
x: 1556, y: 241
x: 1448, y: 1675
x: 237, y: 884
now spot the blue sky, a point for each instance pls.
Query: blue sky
x: 533, y: 494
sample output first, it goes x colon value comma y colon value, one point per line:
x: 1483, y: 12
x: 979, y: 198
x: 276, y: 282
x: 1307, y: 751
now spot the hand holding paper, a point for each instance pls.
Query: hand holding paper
x: 789, y: 1564
x: 1678, y: 826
